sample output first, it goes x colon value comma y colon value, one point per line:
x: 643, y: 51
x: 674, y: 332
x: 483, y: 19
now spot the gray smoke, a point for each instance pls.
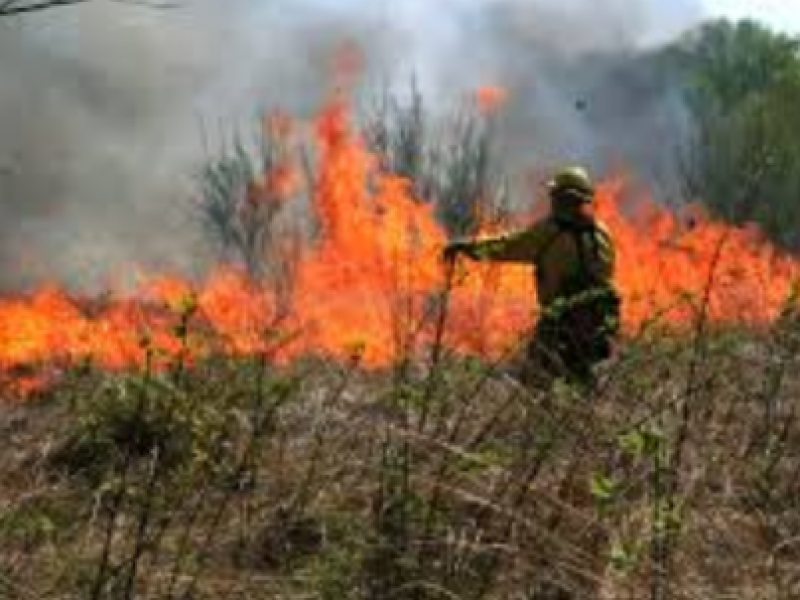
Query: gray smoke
x: 103, y: 107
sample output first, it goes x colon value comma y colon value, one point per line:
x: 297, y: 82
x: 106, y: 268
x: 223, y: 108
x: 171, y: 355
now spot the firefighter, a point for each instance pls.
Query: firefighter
x: 573, y: 255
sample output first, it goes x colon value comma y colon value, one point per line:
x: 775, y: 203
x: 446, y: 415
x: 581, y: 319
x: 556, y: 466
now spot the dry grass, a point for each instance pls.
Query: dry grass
x: 676, y: 478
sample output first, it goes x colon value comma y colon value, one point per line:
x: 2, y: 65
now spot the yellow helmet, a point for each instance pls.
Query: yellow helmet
x: 572, y: 181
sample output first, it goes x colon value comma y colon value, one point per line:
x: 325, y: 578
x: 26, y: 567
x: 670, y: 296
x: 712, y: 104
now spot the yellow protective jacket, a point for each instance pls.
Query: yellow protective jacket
x: 551, y: 246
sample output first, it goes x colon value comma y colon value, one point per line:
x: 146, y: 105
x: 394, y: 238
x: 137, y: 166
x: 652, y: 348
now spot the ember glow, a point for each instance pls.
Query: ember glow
x: 372, y: 285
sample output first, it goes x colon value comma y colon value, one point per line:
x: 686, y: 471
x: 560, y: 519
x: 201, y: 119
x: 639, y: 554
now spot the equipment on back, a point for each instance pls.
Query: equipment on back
x: 588, y: 302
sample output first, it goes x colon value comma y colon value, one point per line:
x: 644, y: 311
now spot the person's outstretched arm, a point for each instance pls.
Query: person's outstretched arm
x: 522, y: 246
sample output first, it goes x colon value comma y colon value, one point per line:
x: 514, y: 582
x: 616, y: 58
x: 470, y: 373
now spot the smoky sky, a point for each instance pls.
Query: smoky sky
x: 107, y: 110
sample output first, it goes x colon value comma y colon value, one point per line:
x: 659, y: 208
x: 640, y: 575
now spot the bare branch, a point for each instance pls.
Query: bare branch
x: 15, y: 7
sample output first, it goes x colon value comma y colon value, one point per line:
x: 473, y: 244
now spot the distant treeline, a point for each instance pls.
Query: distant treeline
x: 742, y: 82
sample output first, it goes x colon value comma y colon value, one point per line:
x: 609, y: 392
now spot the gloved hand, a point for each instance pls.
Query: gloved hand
x: 453, y: 249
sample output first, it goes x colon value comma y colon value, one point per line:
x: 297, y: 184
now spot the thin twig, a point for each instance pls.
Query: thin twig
x: 13, y: 7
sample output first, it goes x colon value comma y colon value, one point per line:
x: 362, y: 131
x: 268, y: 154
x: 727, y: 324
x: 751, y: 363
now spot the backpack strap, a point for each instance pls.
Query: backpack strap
x: 582, y: 259
x: 576, y: 236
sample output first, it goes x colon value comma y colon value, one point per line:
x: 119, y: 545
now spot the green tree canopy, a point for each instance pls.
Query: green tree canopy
x: 743, y: 86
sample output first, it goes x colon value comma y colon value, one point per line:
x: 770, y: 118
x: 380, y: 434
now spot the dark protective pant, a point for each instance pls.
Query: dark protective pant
x: 569, y: 345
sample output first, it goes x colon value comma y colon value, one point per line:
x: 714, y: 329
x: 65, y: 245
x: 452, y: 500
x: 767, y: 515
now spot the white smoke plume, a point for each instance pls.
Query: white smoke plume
x: 103, y: 106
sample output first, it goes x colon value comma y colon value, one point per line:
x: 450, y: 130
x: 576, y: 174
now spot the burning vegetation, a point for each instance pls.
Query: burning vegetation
x: 335, y: 422
x: 371, y: 281
x: 329, y: 413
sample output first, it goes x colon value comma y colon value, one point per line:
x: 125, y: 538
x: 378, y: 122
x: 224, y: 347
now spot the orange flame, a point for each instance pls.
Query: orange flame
x: 370, y: 284
x: 277, y: 185
x: 491, y: 98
